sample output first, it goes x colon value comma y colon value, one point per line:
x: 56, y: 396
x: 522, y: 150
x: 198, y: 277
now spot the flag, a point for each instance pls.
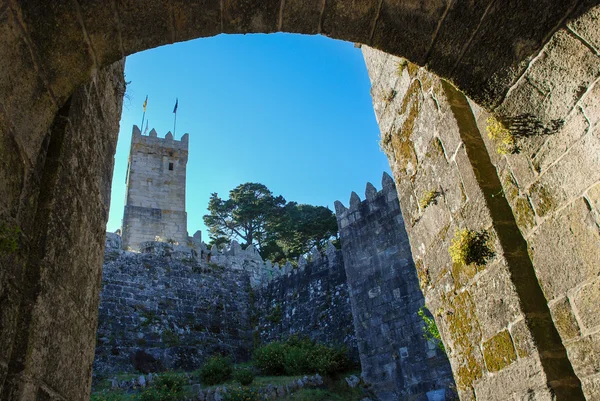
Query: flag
x: 176, y: 104
x: 145, y: 103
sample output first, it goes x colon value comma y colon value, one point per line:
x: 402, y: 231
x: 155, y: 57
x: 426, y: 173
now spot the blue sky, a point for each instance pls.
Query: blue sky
x: 292, y: 112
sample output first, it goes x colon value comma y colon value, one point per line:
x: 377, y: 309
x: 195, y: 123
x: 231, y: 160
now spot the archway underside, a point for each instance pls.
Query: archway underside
x: 531, y: 63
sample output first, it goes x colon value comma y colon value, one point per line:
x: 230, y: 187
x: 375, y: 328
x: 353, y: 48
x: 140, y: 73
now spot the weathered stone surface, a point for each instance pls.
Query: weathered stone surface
x: 60, y: 303
x: 442, y: 148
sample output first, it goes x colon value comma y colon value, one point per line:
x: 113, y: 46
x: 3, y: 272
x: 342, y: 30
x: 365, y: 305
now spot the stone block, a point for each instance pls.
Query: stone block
x: 586, y: 301
x: 584, y: 354
x: 564, y: 319
x: 496, y: 301
x: 554, y: 81
x: 585, y: 26
x: 574, y: 240
x: 499, y: 351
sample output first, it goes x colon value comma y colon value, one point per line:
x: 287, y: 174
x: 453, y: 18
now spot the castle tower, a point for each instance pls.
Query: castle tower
x: 155, y: 202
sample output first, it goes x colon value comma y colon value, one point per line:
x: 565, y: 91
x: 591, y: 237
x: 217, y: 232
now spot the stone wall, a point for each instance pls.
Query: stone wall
x: 385, y: 296
x: 310, y: 301
x: 155, y: 203
x: 507, y: 324
x: 54, y: 208
x: 169, y: 308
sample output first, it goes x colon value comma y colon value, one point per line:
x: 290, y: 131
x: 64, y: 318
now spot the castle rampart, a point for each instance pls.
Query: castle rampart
x: 385, y: 298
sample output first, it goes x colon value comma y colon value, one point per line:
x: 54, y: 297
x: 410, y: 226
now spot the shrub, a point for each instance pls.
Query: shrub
x: 241, y: 394
x: 244, y: 375
x: 270, y: 359
x: 470, y: 246
x: 300, y: 356
x: 170, y: 381
x: 216, y: 370
x: 166, y: 387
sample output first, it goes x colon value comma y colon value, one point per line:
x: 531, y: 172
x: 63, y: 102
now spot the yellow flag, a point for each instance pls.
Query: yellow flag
x: 145, y: 103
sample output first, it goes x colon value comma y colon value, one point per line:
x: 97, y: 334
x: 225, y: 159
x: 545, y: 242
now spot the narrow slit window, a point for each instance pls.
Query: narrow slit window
x: 170, y: 166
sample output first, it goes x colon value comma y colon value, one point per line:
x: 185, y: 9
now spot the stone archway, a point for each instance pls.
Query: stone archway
x: 56, y: 163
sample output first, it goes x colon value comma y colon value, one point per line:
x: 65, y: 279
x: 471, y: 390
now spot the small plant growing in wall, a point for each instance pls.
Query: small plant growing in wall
x: 505, y: 141
x: 429, y: 198
x: 471, y: 247
x: 388, y: 96
x: 430, y: 330
x: 400, y: 66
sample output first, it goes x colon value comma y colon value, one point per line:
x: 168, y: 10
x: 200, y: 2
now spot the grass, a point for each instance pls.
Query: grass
x: 336, y: 390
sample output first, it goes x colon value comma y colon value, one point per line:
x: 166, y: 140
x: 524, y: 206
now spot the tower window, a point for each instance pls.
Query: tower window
x: 171, y: 166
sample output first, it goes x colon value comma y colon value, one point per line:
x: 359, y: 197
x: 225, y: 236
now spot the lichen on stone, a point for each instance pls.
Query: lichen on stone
x: 465, y: 335
x: 499, y: 351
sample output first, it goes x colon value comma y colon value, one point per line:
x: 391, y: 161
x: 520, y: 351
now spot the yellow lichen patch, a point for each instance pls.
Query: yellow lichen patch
x: 499, y: 351
x: 505, y: 141
x: 465, y: 335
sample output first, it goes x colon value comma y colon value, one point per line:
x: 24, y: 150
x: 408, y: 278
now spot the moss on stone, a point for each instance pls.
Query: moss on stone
x: 499, y: 351
x: 524, y: 214
x: 423, y: 274
x: 546, y: 202
x: 401, y: 141
x: 438, y: 146
x: 564, y: 319
x: 465, y: 334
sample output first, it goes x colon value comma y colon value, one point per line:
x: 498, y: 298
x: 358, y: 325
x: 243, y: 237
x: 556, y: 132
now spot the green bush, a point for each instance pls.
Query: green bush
x: 216, y: 370
x: 167, y: 386
x: 241, y: 394
x: 170, y: 381
x: 270, y: 359
x: 299, y: 356
x: 244, y: 375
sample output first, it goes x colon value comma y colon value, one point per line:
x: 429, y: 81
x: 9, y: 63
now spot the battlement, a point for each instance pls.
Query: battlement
x: 387, y: 197
x: 152, y: 140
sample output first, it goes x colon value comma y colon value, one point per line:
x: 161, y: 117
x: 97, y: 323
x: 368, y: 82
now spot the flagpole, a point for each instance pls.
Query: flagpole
x: 144, y: 114
x: 175, y: 118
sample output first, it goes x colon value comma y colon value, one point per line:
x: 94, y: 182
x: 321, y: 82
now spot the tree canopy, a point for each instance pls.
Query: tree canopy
x: 281, y: 230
